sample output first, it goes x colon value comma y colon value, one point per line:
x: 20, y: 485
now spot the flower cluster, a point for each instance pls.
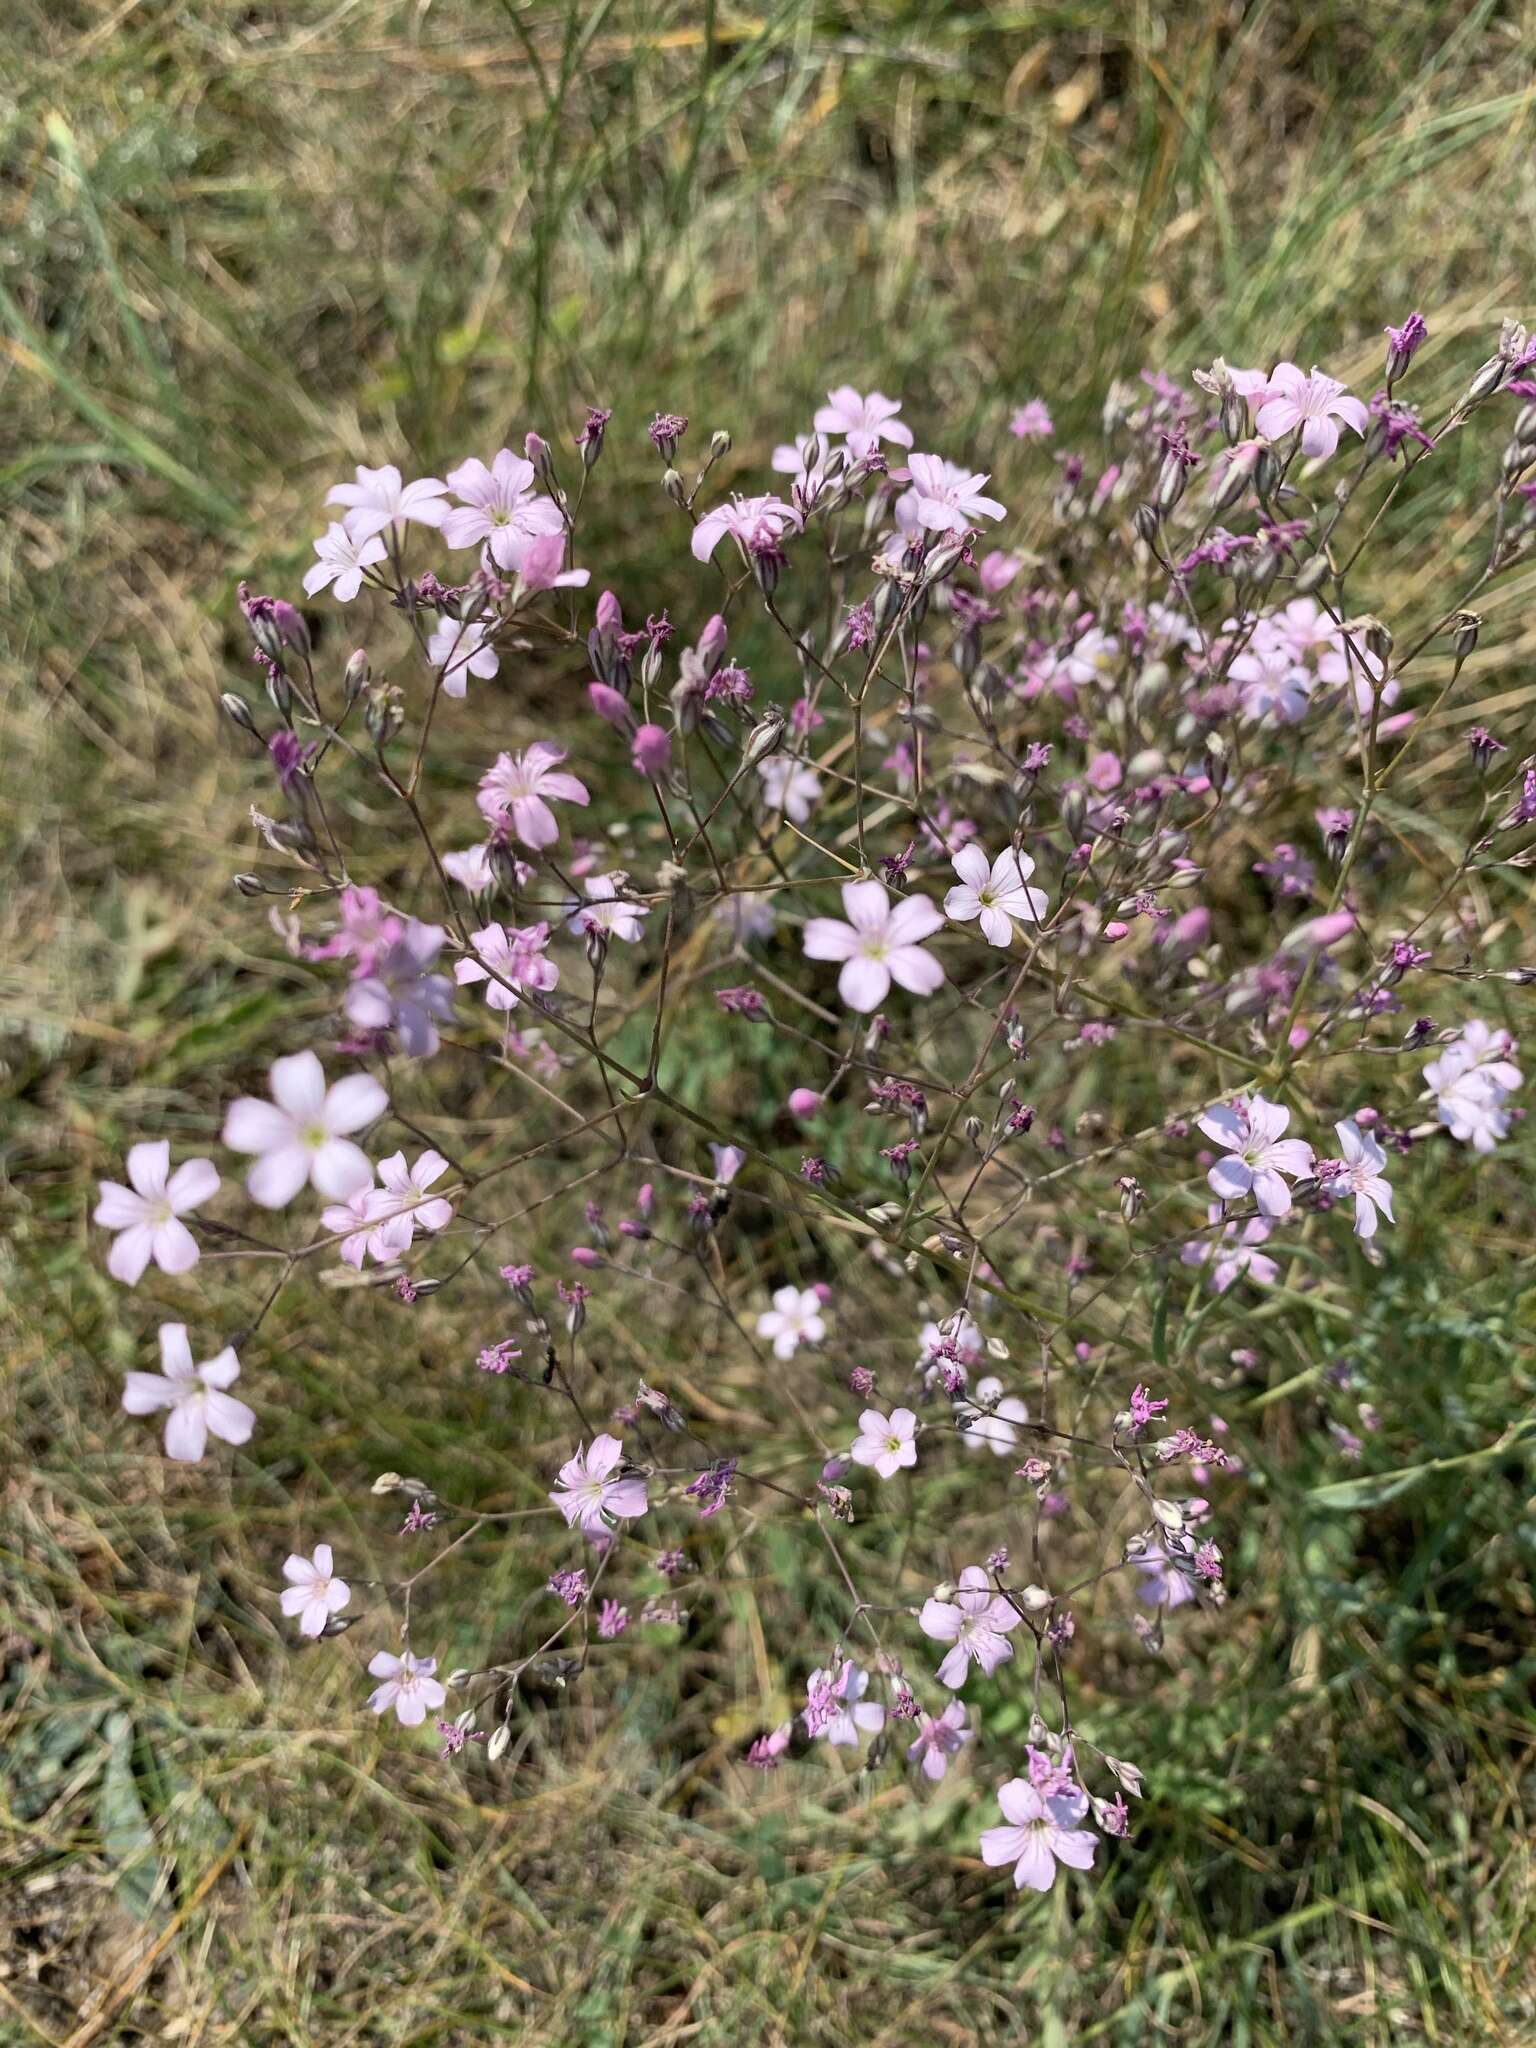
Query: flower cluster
x: 873, y: 1013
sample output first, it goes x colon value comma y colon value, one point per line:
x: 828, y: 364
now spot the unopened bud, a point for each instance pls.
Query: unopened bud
x: 1464, y: 631
x: 672, y: 483
x: 719, y: 443
x: 358, y: 674
x: 496, y: 1748
x: 250, y: 885
x: 238, y: 712
x: 1313, y: 575
x: 1147, y: 519
x: 1132, y: 1195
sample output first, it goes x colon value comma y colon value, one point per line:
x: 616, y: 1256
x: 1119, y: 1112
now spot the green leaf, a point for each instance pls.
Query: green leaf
x: 127, y: 1840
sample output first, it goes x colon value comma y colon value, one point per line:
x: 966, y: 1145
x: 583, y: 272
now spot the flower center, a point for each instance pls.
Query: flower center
x: 314, y: 1135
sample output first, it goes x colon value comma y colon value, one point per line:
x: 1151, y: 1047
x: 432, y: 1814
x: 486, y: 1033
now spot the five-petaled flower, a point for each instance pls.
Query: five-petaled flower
x: 1041, y: 1832
x: 381, y: 499
x: 1362, y: 1176
x: 509, y: 962
x: 499, y: 506
x: 794, y: 1319
x: 976, y: 1621
x: 887, y: 1442
x: 994, y: 892
x: 865, y: 421
x: 757, y: 525
x: 593, y: 1490
x: 521, y: 787
x: 836, y: 1708
x: 457, y: 647
x: 879, y: 944
x: 195, y: 1394
x: 939, y: 1737
x: 944, y: 498
x: 313, y: 1592
x: 303, y: 1133
x: 1313, y: 403
x: 1259, y: 1155
x: 409, y: 1686
x: 147, y: 1214
x: 343, y: 558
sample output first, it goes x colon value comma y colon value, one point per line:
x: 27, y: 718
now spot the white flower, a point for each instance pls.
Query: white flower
x: 789, y: 786
x: 343, y: 558
x: 457, y: 647
x: 302, y: 1133
x: 1259, y: 1155
x: 313, y: 1593
x: 794, y: 1319
x: 147, y: 1215
x: 1362, y: 1176
x: 605, y: 910
x: 887, y: 1442
x: 195, y: 1395
x: 992, y: 1420
x: 995, y: 893
x: 408, y: 1687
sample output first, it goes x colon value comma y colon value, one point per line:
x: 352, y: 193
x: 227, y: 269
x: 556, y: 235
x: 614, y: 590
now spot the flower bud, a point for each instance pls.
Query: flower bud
x: 719, y: 443
x: 496, y: 1748
x: 357, y: 674
x: 1464, y: 630
x: 651, y: 752
x: 672, y: 483
x: 1313, y: 575
x: 238, y: 712
x: 1146, y: 519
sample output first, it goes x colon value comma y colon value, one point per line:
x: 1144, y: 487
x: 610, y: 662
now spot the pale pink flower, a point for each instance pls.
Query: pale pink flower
x: 521, y: 787
x: 147, y: 1214
x: 993, y: 1419
x: 405, y: 1188
x: 1040, y: 1834
x: 1233, y: 1252
x: 837, y: 1710
x: 939, y: 1737
x: 1163, y: 1584
x: 1313, y: 403
x: 789, y: 786
x: 994, y: 892
x: 303, y: 1133
x: 343, y: 558
x: 944, y: 498
x: 957, y: 1333
x: 1032, y: 421
x: 758, y: 525
x: 976, y: 1621
x: 509, y: 962
x: 471, y: 868
x: 1251, y: 1130
x: 887, y: 1442
x: 409, y: 1686
x: 313, y: 1592
x: 369, y: 1227
x: 1362, y: 1176
x: 195, y: 1395
x: 794, y: 1319
x: 1273, y: 683
x: 458, y: 648
x: 880, y: 943
x: 380, y: 499
x: 499, y: 506
x: 1472, y: 1079
x: 866, y: 421
x: 606, y: 911
x: 591, y: 1495
x: 539, y: 562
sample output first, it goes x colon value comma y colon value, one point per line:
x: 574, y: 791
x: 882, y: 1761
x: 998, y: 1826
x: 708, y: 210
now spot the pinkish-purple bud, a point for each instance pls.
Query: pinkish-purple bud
x: 822, y: 1292
x: 645, y: 1201
x: 652, y: 751
x: 610, y: 619
x: 804, y: 1102
x: 1115, y: 930
x: 711, y: 645
x: 607, y: 703
x: 584, y: 1255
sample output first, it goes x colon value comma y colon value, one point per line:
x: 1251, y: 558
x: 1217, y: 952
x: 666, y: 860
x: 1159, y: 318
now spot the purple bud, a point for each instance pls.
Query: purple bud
x: 610, y: 705
x: 652, y: 751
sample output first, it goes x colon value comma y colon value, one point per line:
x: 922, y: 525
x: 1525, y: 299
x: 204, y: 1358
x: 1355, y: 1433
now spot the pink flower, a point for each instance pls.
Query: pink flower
x: 1313, y: 404
x: 522, y: 786
x: 1032, y: 421
x: 994, y: 892
x: 379, y: 499
x: 302, y: 1134
x: 887, y: 1442
x: 313, y: 1593
x: 992, y: 1420
x: 836, y: 1708
x: 1040, y: 1834
x: 1233, y: 1252
x: 1362, y: 1176
x: 147, y: 1215
x: 409, y: 1686
x: 606, y: 911
x: 539, y: 561
x: 343, y: 558
x: 509, y: 963
x: 1163, y: 1584
x: 195, y: 1395
x: 939, y: 1738
x: 457, y: 647
x: 977, y: 1622
x: 499, y: 506
x: 1259, y: 1155
x: 471, y: 868
x: 794, y: 1319
x: 369, y: 1227
x: 878, y: 944
x: 651, y: 751
x: 866, y: 421
x: 590, y: 1496
x: 758, y: 525
x: 945, y: 498
x: 789, y: 786
x: 405, y: 1188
